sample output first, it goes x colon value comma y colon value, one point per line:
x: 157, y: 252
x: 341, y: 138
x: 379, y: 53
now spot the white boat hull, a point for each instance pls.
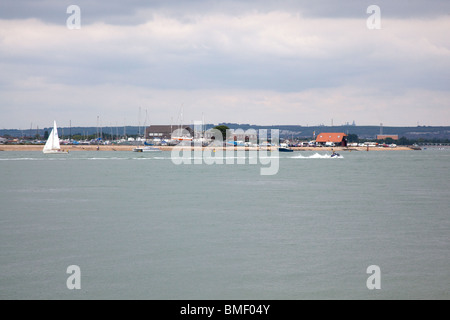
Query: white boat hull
x: 55, y: 152
x: 146, y: 149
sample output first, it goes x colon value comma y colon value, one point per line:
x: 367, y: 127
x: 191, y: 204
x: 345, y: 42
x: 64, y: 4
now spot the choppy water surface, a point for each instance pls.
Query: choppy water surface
x: 141, y: 227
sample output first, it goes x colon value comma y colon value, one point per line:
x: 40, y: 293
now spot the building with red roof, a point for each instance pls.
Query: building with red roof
x: 330, y: 138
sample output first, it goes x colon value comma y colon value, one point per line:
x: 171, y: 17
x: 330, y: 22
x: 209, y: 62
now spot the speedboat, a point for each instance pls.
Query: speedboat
x: 335, y: 155
x: 281, y: 149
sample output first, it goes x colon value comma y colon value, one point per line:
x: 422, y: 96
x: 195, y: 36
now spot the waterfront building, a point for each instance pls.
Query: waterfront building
x: 164, y: 132
x: 332, y: 139
x: 385, y: 136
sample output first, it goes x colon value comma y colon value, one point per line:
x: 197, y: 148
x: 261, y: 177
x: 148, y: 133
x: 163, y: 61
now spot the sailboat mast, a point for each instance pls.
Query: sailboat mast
x: 97, y: 128
x: 139, y: 123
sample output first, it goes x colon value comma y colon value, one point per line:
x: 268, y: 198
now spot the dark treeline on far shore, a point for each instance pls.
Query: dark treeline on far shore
x: 406, y: 135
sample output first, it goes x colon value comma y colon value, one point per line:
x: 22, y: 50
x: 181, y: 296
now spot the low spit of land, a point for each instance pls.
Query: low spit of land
x: 168, y: 148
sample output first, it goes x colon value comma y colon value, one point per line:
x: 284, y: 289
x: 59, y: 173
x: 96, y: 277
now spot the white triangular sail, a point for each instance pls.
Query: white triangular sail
x: 52, y: 145
x: 49, y: 143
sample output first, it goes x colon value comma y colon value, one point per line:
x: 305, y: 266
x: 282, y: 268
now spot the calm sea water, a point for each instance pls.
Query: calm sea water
x: 141, y: 227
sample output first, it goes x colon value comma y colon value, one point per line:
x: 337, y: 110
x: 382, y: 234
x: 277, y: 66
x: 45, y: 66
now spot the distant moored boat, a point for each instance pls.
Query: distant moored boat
x: 283, y: 149
x: 146, y: 149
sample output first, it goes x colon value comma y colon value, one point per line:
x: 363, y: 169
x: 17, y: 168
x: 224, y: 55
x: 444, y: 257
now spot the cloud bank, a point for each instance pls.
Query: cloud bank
x: 286, y: 62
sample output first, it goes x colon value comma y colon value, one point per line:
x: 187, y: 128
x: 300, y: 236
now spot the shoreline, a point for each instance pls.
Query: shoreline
x: 129, y: 148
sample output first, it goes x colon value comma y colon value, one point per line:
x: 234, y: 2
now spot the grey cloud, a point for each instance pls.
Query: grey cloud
x: 201, y: 51
x: 175, y: 62
x: 130, y: 12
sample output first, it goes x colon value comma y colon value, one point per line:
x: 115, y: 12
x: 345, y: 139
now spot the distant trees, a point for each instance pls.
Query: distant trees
x: 403, y: 141
x: 223, y: 129
x: 79, y: 136
x: 352, y: 137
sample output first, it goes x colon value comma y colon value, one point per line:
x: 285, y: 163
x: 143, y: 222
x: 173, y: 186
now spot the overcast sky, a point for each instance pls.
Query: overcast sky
x: 259, y: 62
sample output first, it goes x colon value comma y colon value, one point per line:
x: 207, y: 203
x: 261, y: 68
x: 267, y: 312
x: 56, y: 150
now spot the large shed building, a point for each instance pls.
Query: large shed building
x: 337, y: 138
x: 164, y: 132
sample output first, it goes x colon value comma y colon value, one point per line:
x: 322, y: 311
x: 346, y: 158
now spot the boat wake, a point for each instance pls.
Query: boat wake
x: 150, y: 158
x: 317, y: 156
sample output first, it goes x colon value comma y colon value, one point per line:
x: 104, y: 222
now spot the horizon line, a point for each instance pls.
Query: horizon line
x: 235, y: 123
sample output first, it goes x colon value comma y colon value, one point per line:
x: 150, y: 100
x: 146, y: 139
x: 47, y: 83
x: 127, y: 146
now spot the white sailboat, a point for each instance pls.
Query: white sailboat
x: 52, y: 145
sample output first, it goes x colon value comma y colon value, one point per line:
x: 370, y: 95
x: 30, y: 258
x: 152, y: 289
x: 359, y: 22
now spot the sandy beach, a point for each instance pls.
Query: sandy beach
x: 128, y: 148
